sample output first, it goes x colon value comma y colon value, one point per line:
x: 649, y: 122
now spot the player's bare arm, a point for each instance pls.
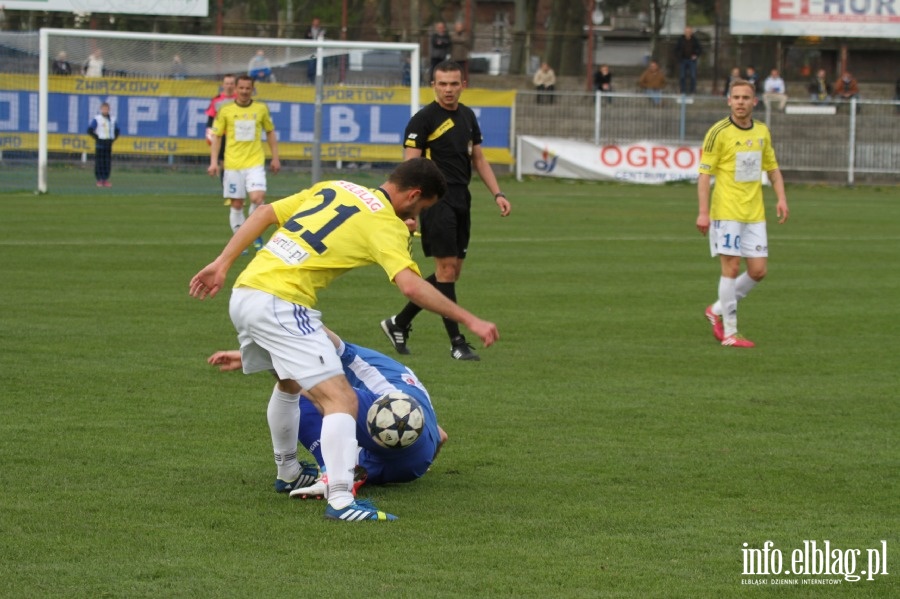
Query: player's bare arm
x: 423, y: 294
x: 275, y: 163
x: 215, y: 144
x: 211, y: 278
x: 483, y: 167
x: 703, y: 187
x: 781, y: 208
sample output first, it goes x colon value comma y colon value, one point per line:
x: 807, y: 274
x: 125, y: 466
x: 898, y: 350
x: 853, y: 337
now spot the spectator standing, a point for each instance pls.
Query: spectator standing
x: 242, y: 122
x: 61, y: 65
x: 603, y: 81
x: 653, y: 82
x: 441, y: 46
x: 774, y: 89
x: 449, y: 132
x: 313, y: 32
x: 104, y: 129
x: 545, y: 83
x: 459, y: 43
x: 732, y: 77
x: 846, y: 87
x: 93, y: 66
x: 178, y: 69
x: 687, y: 52
x: 406, y: 71
x: 259, y: 68
x: 820, y: 90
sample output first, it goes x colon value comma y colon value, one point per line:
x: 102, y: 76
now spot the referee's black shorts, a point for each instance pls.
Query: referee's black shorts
x: 446, y: 226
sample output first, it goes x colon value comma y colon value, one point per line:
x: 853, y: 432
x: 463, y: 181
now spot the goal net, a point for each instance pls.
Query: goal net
x: 339, y: 103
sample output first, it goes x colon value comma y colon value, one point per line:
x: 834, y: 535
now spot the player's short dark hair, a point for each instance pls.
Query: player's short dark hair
x: 244, y: 78
x: 447, y: 66
x: 420, y: 173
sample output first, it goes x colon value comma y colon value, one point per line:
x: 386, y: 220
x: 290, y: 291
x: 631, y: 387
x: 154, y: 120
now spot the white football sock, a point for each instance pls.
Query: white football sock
x: 236, y: 218
x: 743, y: 285
x: 339, y: 454
x: 728, y: 302
x: 284, y: 424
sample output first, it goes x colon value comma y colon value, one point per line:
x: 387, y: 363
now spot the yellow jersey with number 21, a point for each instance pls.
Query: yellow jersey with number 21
x: 324, y: 231
x: 737, y: 157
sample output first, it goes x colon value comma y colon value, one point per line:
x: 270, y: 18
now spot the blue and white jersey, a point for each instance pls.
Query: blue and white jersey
x: 372, y: 370
x: 372, y: 374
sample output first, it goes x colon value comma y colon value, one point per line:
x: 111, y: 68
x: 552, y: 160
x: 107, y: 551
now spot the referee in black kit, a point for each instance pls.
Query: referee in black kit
x: 449, y: 132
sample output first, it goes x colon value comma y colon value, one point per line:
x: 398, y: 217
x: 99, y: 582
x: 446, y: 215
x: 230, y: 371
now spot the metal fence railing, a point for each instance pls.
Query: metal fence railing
x: 859, y: 140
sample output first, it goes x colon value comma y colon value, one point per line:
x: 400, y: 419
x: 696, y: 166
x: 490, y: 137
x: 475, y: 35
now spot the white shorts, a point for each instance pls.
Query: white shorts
x: 236, y: 184
x: 281, y: 337
x: 731, y: 238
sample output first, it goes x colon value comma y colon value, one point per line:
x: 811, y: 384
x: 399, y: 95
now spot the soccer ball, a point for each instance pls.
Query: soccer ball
x: 395, y: 420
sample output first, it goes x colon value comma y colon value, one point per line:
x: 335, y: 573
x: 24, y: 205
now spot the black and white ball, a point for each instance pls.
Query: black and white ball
x: 395, y: 420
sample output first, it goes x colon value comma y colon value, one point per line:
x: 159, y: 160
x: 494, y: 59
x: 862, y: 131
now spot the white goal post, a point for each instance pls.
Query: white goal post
x: 149, y: 57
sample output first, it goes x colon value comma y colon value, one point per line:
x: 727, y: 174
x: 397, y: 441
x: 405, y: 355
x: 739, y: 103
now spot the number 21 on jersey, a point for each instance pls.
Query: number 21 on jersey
x: 303, y: 221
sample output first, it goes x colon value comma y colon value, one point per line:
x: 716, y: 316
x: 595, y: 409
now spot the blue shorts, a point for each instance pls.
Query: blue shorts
x: 382, y: 465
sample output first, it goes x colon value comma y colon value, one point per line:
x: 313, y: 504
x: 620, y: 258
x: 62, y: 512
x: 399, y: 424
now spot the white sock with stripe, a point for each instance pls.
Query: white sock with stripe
x: 339, y: 450
x: 284, y: 424
x: 743, y: 285
x: 728, y: 303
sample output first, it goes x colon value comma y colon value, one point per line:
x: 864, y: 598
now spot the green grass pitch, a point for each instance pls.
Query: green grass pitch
x: 606, y: 446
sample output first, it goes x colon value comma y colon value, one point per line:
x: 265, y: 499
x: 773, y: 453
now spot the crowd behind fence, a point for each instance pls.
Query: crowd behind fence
x: 859, y: 142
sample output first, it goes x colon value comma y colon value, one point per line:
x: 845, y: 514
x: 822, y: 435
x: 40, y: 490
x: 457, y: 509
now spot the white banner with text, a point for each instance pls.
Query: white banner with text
x: 184, y: 8
x: 639, y: 162
x: 832, y: 18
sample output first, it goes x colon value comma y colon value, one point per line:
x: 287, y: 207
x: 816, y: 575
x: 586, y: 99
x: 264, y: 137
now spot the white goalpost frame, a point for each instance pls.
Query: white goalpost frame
x: 320, y: 46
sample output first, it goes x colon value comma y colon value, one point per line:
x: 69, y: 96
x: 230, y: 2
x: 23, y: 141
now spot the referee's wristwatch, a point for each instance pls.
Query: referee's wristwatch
x: 499, y: 194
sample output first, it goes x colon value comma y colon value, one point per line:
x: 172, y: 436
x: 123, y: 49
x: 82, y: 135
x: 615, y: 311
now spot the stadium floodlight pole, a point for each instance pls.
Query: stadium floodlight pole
x: 319, y: 46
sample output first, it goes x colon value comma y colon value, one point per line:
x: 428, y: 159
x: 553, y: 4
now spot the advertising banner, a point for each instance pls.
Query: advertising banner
x: 642, y: 162
x: 162, y: 116
x: 188, y: 8
x: 825, y: 18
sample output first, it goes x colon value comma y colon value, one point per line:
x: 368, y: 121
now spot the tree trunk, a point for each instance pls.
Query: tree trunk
x: 518, y: 59
x: 566, y: 49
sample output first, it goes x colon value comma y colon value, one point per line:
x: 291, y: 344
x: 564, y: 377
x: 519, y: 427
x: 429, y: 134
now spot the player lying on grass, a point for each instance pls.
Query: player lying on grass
x: 371, y: 374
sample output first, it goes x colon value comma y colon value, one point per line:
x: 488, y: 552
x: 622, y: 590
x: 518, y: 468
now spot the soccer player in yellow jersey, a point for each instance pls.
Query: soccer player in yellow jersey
x: 323, y: 232
x: 241, y: 123
x: 736, y: 151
